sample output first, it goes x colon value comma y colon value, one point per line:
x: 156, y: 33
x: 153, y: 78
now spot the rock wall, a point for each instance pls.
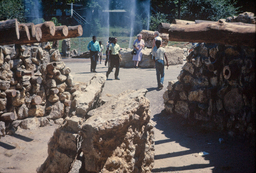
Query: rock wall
x: 175, y: 56
x: 217, y: 88
x: 37, y: 88
x: 116, y: 137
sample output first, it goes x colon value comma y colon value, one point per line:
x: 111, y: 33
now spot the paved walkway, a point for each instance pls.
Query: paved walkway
x: 177, y: 146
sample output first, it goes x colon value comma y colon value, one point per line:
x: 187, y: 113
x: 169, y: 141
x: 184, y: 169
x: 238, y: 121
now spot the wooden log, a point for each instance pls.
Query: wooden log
x: 31, y: 29
x: 60, y: 33
x: 24, y: 32
x: 8, y: 116
x: 48, y: 28
x: 231, y: 71
x: 233, y: 101
x: 36, y: 100
x: 235, y: 23
x: 74, y: 31
x: 35, y: 39
x: 219, y: 32
x: 9, y: 31
x: 182, y: 22
x: 11, y: 92
x: 164, y: 27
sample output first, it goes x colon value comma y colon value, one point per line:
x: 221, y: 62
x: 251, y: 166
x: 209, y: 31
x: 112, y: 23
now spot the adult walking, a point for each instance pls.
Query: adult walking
x: 157, y: 37
x: 159, y: 63
x: 114, y: 51
x: 94, y: 48
x: 138, y: 45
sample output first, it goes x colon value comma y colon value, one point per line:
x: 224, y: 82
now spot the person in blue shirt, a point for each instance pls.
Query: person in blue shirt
x: 94, y: 48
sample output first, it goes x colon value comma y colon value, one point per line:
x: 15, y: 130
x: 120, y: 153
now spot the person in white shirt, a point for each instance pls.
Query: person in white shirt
x: 157, y: 37
x: 159, y: 56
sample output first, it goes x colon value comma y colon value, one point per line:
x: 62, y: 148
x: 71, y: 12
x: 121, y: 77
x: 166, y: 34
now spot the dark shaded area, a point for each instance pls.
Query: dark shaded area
x: 21, y: 137
x: 235, y: 154
x: 6, y: 146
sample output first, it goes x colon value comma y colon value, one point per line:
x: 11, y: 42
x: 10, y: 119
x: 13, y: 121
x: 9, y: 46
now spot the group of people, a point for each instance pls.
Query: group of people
x: 113, y: 55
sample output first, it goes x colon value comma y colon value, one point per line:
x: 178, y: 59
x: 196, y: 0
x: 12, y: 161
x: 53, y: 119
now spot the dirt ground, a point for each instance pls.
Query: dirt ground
x: 177, y: 144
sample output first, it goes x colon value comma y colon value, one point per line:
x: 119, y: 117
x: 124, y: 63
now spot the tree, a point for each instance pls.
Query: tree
x: 208, y: 9
x: 156, y: 19
x: 10, y: 9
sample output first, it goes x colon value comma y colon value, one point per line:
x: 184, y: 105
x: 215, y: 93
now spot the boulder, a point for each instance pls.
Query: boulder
x: 56, y: 110
x: 86, y: 98
x: 36, y: 111
x: 174, y: 55
x: 118, y: 136
x: 63, y: 147
x: 148, y: 37
x: 30, y: 123
x: 2, y: 128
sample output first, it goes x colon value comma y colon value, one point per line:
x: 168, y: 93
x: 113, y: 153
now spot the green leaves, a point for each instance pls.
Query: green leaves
x: 10, y: 9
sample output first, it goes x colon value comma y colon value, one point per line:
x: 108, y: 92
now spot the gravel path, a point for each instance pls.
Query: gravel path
x: 177, y: 145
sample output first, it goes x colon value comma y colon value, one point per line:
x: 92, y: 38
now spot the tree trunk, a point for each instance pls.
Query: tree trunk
x: 164, y: 27
x: 75, y: 31
x: 48, y: 28
x: 24, y: 32
x: 36, y: 100
x: 219, y: 32
x: 9, y: 31
x: 182, y: 22
x: 8, y: 116
x: 235, y: 23
x: 60, y: 33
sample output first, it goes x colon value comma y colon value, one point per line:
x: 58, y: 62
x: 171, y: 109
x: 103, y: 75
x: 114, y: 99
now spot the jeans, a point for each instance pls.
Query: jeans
x: 114, y: 61
x: 159, y: 71
x: 94, y: 59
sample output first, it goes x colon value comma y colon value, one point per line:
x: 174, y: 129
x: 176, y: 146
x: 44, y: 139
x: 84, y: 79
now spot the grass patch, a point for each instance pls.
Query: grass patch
x: 80, y: 43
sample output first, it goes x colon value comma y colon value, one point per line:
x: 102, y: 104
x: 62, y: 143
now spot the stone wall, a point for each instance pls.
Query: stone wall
x: 216, y: 87
x: 116, y: 137
x: 175, y: 55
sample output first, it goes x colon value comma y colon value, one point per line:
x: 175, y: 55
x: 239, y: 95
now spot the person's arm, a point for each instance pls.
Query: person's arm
x: 89, y: 46
x: 153, y: 44
x: 135, y: 47
x: 166, y: 60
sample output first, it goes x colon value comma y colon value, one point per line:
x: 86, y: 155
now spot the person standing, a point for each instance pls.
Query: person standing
x: 138, y: 45
x: 101, y: 50
x: 159, y: 63
x: 94, y: 49
x: 157, y: 37
x: 114, y: 51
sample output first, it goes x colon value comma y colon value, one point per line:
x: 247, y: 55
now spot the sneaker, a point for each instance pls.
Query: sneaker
x: 117, y: 78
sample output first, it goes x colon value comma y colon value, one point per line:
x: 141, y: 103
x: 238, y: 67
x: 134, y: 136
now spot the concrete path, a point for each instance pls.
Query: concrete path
x: 177, y: 146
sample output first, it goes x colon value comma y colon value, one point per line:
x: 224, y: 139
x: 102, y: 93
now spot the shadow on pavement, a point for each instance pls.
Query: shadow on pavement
x: 234, y: 155
x: 6, y: 146
x: 21, y: 137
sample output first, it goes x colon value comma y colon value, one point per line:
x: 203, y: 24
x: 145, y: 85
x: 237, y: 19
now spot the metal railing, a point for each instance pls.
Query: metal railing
x: 79, y: 18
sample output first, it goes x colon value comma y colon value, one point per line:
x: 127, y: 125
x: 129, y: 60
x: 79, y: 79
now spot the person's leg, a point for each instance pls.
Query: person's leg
x: 162, y: 73
x: 134, y: 62
x: 117, y: 67
x: 100, y: 58
x: 96, y: 59
x: 157, y: 64
x: 110, y: 68
x: 137, y: 64
x: 91, y: 61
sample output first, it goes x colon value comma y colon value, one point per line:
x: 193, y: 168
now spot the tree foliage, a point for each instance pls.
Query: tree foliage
x: 208, y: 9
x: 10, y: 9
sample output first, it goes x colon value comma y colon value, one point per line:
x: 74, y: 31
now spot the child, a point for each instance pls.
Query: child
x: 101, y: 50
x: 159, y: 64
